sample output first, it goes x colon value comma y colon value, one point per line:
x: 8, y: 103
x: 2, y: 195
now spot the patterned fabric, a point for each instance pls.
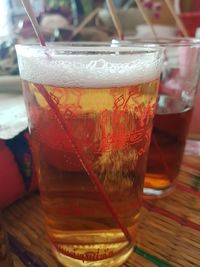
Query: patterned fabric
x: 17, y: 174
x: 11, y: 184
x: 20, y: 148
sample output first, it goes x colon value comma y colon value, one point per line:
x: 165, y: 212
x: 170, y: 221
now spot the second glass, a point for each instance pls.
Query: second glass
x: 177, y: 91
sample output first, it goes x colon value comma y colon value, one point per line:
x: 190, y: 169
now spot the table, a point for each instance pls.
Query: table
x: 169, y: 228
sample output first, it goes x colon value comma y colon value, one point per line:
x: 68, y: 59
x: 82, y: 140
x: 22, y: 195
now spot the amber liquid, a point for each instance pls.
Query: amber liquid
x: 169, y: 134
x: 112, y: 126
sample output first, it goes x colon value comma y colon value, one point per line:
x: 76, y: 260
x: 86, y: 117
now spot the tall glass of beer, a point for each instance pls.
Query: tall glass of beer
x: 90, y: 109
x: 177, y: 91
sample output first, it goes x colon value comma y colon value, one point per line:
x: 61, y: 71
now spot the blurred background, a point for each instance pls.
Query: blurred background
x: 66, y: 20
x: 89, y: 20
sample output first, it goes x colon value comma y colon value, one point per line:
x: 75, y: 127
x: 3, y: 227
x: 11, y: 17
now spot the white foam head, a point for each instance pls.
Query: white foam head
x: 78, y: 67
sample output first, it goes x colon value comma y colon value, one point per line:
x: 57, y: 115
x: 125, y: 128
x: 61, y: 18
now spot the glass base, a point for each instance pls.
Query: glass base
x: 151, y: 193
x: 115, y: 261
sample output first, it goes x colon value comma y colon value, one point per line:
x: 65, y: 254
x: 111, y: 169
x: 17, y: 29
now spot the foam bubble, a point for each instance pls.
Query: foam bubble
x: 86, y: 70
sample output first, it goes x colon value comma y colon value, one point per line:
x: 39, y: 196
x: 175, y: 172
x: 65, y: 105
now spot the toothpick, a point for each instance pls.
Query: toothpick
x: 31, y: 15
x: 115, y: 19
x: 179, y: 23
x: 146, y: 18
x: 85, y: 22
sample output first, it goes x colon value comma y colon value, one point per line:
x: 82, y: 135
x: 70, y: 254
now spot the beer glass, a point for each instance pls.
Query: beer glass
x: 90, y: 109
x: 177, y: 91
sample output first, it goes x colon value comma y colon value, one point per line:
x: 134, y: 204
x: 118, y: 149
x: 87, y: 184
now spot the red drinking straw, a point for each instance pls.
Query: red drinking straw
x: 79, y: 153
x: 29, y: 10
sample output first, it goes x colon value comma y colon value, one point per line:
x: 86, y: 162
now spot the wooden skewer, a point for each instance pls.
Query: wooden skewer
x: 177, y: 19
x: 115, y: 19
x: 146, y: 18
x: 29, y: 10
x: 85, y: 22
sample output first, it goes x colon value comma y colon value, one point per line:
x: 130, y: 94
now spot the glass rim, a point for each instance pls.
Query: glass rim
x: 166, y: 41
x: 90, y: 48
